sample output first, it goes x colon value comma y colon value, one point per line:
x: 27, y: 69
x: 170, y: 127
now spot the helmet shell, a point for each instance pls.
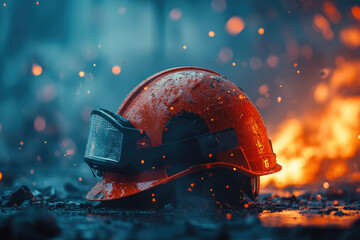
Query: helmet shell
x: 218, y: 101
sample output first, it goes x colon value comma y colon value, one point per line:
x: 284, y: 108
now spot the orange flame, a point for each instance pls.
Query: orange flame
x: 322, y: 143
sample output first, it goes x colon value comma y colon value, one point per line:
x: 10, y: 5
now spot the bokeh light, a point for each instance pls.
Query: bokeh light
x: 116, y: 70
x: 37, y: 70
x: 235, y: 25
x: 39, y: 124
x: 355, y: 10
x: 175, y: 14
x: 226, y: 54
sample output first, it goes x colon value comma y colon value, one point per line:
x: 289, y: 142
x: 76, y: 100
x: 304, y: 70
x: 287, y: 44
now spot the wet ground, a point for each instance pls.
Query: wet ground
x: 326, y: 214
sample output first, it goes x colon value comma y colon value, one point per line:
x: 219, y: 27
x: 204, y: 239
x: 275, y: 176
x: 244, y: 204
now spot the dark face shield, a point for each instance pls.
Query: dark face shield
x: 115, y: 145
x: 112, y: 141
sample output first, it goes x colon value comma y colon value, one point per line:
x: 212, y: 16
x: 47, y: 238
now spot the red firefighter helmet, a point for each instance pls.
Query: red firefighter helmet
x: 177, y: 122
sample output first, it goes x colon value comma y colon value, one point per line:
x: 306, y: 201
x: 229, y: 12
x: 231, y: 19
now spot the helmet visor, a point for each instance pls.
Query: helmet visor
x: 112, y: 139
x: 104, y: 142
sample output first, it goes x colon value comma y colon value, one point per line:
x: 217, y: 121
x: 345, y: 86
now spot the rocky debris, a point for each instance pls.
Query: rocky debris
x: 33, y: 223
x: 17, y: 198
x: 86, y: 220
x: 48, y: 193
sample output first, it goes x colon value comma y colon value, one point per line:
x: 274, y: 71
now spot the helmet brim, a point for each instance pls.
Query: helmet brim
x: 114, y: 186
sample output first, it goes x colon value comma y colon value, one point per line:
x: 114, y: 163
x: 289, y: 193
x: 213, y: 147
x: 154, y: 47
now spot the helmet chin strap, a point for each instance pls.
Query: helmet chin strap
x: 182, y: 151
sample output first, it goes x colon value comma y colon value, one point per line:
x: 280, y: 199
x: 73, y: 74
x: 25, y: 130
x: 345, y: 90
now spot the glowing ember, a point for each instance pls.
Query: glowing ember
x: 210, y: 155
x: 184, y: 47
x: 21, y: 143
x: 37, y: 3
x: 326, y: 185
x: 234, y: 64
x: 36, y: 70
x: 228, y: 216
x: 318, y: 197
x: 261, y: 31
x: 4, y: 6
x: 211, y: 34
x: 142, y: 161
x: 116, y: 70
x: 80, y: 179
x: 81, y: 74
x: 175, y: 14
x: 279, y: 99
x: 235, y: 25
x: 355, y: 10
x: 1, y: 176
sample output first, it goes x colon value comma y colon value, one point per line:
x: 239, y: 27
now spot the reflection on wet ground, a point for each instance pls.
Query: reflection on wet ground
x: 292, y: 218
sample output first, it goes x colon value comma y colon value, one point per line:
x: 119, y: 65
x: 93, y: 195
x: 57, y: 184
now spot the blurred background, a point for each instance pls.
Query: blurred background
x: 298, y: 61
